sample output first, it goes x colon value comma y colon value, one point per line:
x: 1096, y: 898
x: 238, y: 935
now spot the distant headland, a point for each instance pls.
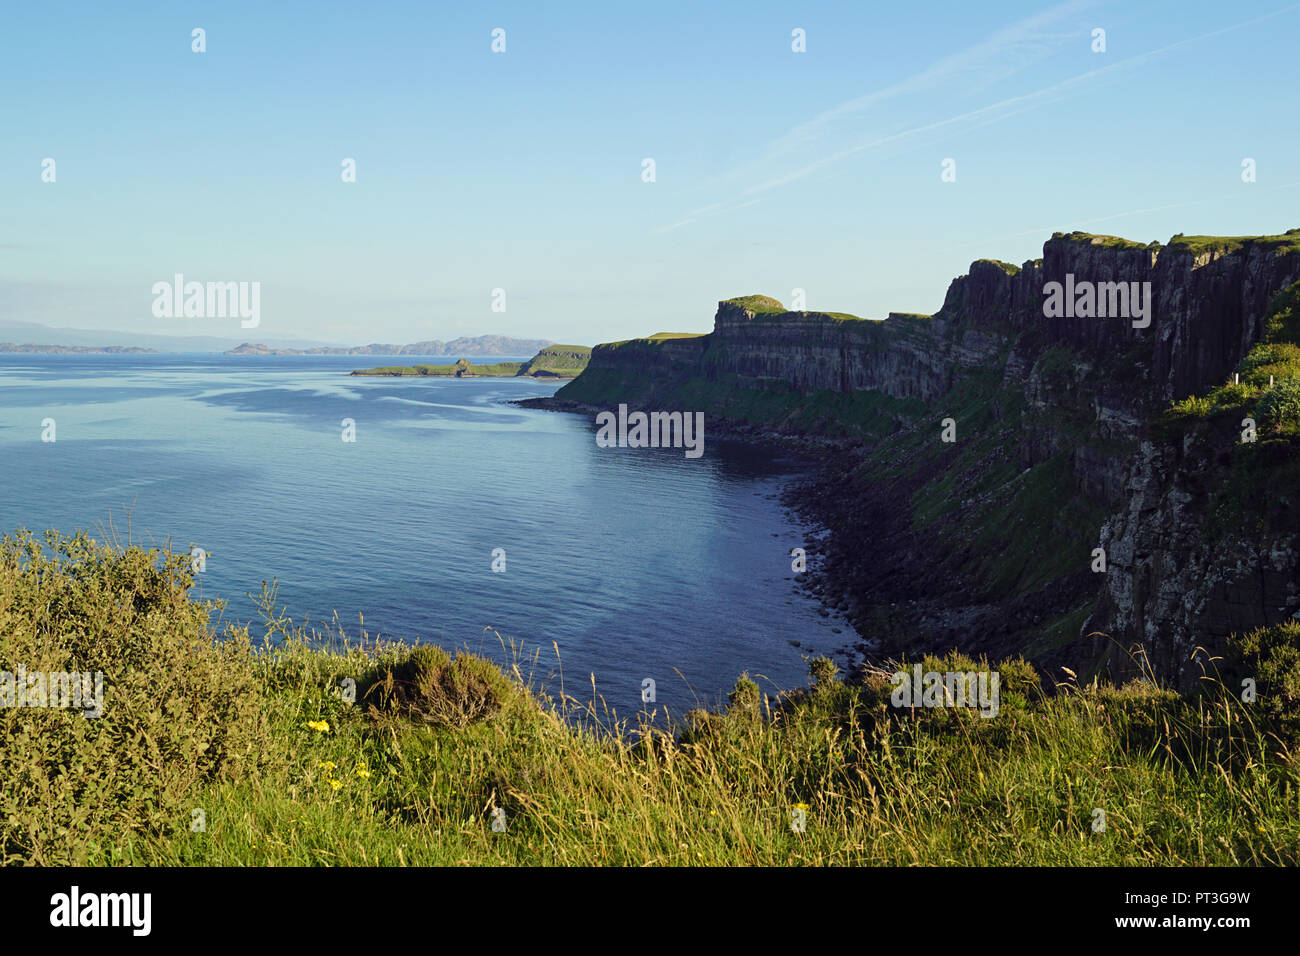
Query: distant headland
x: 555, y: 361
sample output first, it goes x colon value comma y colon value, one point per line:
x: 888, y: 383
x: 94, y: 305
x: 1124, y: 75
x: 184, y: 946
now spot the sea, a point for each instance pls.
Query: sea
x: 453, y: 517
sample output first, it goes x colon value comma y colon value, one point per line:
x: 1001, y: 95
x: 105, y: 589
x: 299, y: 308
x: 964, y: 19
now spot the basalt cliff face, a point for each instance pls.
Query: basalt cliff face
x: 986, y: 542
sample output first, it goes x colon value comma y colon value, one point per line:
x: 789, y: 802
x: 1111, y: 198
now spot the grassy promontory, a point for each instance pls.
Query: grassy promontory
x: 555, y: 361
x: 463, y: 368
x: 218, y: 752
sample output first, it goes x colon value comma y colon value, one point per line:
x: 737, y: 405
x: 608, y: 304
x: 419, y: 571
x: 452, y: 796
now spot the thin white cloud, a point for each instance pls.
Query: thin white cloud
x: 710, y: 210
x: 1000, y: 55
x: 1010, y: 106
x: 961, y: 67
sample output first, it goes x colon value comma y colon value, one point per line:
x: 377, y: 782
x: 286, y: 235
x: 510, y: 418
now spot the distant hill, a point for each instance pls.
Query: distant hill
x: 478, y: 345
x: 31, y: 333
x: 11, y: 347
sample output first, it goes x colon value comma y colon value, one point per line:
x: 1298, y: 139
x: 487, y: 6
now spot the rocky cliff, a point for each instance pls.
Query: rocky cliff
x: 987, y: 541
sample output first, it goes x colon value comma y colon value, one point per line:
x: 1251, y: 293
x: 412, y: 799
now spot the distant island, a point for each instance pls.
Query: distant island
x: 555, y: 361
x: 12, y: 347
x: 478, y: 345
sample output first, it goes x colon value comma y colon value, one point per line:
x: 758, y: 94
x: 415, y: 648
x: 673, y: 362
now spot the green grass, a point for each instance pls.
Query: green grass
x: 1006, y: 267
x: 286, y: 771
x: 659, y: 338
x: 554, y: 361
x: 557, y: 361
x: 467, y: 370
x: 758, y: 304
x: 1284, y: 244
x: 1007, y: 529
x: 1111, y: 242
x: 861, y: 414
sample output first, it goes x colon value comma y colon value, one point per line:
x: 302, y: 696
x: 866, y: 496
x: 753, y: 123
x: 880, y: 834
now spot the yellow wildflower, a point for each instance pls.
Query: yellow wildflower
x: 321, y: 725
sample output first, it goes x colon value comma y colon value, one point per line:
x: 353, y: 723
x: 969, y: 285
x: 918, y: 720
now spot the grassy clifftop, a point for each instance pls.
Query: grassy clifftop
x: 555, y: 361
x: 1288, y: 241
x: 758, y: 304
x: 263, y: 744
x: 766, y: 305
x: 463, y: 368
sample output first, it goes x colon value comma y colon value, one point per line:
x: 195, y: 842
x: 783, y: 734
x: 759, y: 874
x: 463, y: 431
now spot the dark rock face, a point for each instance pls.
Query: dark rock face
x: 813, y: 351
x: 1089, y: 387
x: 1177, y: 580
x: 1206, y: 313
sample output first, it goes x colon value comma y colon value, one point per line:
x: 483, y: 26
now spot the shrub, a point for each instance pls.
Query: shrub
x: 1269, y: 355
x: 822, y: 670
x: 1194, y: 406
x: 1021, y: 685
x: 1283, y: 322
x: 430, y: 687
x: 1278, y: 408
x: 744, y: 696
x: 1271, y: 656
x: 179, y: 709
x: 1232, y: 395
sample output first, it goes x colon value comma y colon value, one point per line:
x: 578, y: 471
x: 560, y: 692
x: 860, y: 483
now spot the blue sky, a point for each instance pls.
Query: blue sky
x: 522, y: 170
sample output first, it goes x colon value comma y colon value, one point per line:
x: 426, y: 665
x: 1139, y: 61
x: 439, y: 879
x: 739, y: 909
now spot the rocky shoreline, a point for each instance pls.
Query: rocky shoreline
x: 897, y: 604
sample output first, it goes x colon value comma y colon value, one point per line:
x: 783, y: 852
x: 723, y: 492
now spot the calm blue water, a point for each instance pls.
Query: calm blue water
x: 636, y: 562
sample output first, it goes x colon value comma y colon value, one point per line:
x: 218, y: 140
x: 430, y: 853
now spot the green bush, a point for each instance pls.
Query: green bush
x: 178, y: 709
x: 1278, y: 409
x: 1194, y: 406
x: 822, y: 670
x: 430, y: 687
x: 1270, y: 358
x: 744, y: 696
x: 1271, y: 657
